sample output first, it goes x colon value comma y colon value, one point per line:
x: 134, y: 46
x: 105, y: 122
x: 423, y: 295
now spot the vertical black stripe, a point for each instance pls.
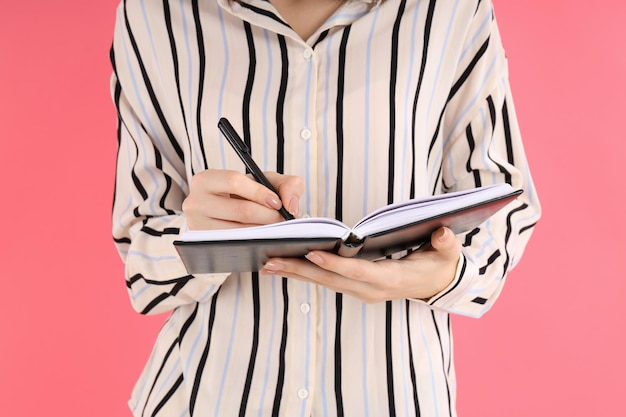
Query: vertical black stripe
x: 136, y: 181
x: 256, y: 305
x: 461, y: 274
x: 425, y: 48
x: 492, y: 113
x: 249, y: 84
x: 168, y: 395
x: 339, y: 209
x: 280, y: 106
x: 393, y: 80
x: 280, y: 167
x: 187, y: 324
x: 465, y: 75
x: 174, y: 51
x: 150, y: 89
x: 416, y: 401
x: 322, y: 36
x: 339, y: 115
x: 472, y: 145
x: 509, y: 231
x: 203, y: 359
x: 443, y: 361
x: 158, y: 374
x: 201, y: 75
x: 507, y: 133
x: 116, y: 99
x: 450, y: 353
x: 338, y: 391
x: 388, y: 348
x: 280, y: 383
x: 158, y: 162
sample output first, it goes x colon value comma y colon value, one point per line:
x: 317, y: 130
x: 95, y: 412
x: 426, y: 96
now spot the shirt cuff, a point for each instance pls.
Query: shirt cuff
x: 465, y: 274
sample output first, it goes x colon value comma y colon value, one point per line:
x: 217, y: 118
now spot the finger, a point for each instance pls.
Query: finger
x: 355, y: 269
x: 226, y: 182
x: 308, y: 272
x: 211, y: 211
x: 445, y: 243
x: 290, y: 188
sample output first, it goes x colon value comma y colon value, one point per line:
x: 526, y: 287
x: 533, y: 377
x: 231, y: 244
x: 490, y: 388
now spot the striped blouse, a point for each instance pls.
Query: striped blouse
x: 383, y: 103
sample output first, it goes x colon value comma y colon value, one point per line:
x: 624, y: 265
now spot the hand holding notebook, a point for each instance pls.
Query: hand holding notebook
x: 391, y: 229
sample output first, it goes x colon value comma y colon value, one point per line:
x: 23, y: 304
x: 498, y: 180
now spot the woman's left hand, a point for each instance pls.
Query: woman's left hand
x: 421, y: 274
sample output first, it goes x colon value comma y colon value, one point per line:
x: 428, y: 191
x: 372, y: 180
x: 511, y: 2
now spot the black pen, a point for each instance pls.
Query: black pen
x: 244, y: 154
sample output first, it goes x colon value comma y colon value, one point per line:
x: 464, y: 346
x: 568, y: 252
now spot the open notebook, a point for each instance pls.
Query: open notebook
x: 390, y: 229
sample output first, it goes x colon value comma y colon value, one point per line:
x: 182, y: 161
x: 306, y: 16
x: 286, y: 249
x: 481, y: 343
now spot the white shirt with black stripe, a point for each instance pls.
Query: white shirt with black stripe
x: 383, y: 103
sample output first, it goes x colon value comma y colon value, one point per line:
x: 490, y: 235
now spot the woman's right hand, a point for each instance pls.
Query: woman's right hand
x: 223, y: 199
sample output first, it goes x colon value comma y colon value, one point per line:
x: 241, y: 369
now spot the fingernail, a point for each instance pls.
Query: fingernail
x: 294, y: 206
x: 273, y: 267
x: 315, y: 258
x: 273, y: 201
x: 444, y: 235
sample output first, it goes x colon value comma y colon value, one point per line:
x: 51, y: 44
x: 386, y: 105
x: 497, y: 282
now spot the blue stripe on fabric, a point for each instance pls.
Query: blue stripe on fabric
x: 230, y: 343
x: 431, y: 372
x: 348, y: 17
x: 142, y: 106
x: 484, y: 149
x: 407, y: 101
x: 220, y: 100
x: 324, y: 318
x: 307, y: 145
x: 152, y: 258
x: 466, y: 110
x: 208, y: 293
x: 136, y: 294
x: 366, y: 122
x: 185, y: 412
x: 148, y: 29
x: 403, y: 354
x: 166, y: 382
x: 166, y: 329
x: 266, y: 98
x: 444, y: 50
x: 270, y: 354
x: 190, y: 89
x: 196, y: 341
x: 477, y: 96
x: 485, y: 21
x: 326, y: 133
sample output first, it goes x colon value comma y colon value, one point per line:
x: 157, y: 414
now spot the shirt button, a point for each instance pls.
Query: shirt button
x: 305, y: 308
x: 302, y: 393
x: 305, y: 134
x: 307, y: 54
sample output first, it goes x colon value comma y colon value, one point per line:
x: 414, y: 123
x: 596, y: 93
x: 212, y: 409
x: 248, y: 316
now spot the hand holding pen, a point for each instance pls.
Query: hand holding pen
x: 225, y: 199
x: 243, y: 151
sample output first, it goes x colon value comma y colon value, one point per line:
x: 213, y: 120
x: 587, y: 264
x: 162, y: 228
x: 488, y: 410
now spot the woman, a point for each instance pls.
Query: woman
x: 348, y: 106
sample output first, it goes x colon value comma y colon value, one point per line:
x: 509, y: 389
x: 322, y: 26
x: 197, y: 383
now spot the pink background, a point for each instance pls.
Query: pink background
x: 553, y: 345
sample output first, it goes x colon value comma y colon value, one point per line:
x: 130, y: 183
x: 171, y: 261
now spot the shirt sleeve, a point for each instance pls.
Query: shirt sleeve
x: 150, y: 185
x: 483, y: 146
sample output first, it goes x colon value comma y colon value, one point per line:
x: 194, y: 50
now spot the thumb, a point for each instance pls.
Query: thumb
x: 444, y: 241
